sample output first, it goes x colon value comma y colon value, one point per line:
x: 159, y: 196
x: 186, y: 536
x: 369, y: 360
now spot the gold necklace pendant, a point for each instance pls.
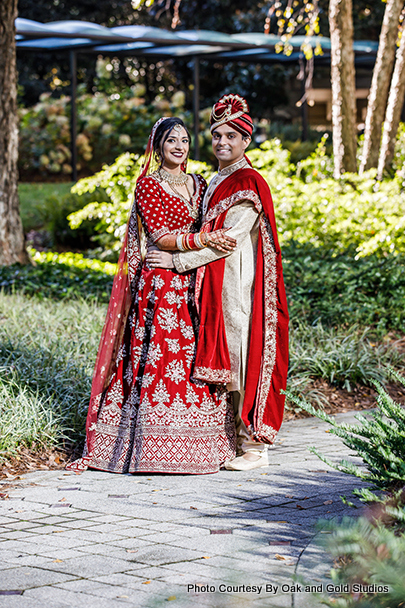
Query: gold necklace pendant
x: 176, y: 180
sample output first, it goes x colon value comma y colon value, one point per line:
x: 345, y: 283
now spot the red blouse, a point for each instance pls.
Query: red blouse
x: 164, y: 213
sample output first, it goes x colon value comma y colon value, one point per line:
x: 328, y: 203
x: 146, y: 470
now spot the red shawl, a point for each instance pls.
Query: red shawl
x: 267, y: 366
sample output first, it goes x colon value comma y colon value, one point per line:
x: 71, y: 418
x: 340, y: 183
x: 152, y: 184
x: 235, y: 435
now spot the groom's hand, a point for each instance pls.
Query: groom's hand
x: 155, y: 258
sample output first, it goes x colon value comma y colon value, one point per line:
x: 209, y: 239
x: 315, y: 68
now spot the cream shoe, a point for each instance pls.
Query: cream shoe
x: 248, y: 461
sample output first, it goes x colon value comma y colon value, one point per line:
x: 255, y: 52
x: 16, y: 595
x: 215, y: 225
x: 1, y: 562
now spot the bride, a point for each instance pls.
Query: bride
x: 146, y: 412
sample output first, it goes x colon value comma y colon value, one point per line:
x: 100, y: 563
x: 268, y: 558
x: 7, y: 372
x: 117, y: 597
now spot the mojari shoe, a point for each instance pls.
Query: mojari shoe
x: 247, y: 462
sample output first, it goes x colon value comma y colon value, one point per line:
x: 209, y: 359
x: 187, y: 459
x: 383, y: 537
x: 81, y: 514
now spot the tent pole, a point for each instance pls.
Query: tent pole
x: 196, y: 106
x: 73, y: 113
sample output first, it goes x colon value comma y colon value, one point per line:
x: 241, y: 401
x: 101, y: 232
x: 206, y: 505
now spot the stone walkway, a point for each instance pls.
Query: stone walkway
x: 226, y: 540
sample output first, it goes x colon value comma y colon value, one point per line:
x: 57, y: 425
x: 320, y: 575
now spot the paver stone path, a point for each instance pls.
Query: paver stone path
x: 232, y: 539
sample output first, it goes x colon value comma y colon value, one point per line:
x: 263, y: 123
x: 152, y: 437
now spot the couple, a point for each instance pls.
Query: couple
x: 191, y: 362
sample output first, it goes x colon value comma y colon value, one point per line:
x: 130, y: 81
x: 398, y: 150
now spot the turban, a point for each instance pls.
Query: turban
x: 232, y: 110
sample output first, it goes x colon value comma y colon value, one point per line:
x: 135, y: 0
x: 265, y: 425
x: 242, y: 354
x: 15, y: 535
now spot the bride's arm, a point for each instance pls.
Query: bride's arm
x: 239, y: 220
x: 218, y: 240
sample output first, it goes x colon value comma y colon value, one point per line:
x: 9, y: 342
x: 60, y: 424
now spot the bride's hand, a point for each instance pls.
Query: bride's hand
x: 155, y: 258
x: 220, y: 240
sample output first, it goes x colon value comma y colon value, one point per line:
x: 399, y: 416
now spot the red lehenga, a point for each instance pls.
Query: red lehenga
x: 153, y: 417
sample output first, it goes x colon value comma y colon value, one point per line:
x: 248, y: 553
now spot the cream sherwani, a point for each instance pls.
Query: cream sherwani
x: 237, y: 292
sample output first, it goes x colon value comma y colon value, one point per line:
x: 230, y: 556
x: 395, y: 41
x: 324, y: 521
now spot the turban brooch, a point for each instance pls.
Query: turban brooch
x: 232, y: 110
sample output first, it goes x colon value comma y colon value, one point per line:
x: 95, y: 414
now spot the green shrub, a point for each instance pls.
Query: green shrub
x: 59, y: 276
x: 378, y: 440
x: 353, y: 213
x: 44, y: 212
x: 108, y: 125
x: 370, y: 557
x: 338, y: 288
x: 33, y: 195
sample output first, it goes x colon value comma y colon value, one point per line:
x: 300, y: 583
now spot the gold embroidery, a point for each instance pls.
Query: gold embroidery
x: 226, y: 203
x: 270, y: 328
x: 215, y: 376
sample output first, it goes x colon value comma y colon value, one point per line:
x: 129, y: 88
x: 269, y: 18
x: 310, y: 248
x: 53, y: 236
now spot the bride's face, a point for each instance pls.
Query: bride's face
x: 175, y: 149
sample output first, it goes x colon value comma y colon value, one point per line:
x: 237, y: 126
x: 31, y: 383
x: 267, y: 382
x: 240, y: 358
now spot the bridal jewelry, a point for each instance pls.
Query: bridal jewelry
x: 178, y: 180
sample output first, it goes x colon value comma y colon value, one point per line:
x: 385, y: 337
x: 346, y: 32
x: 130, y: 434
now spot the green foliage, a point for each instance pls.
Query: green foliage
x: 378, y: 440
x: 47, y: 352
x: 33, y: 196
x: 272, y: 161
x: 399, y: 156
x: 107, y: 126
x: 27, y: 420
x: 45, y: 209
x: 342, y: 356
x: 353, y: 213
x: 318, y: 164
x: 336, y: 288
x: 118, y: 181
x: 373, y: 555
x: 59, y: 276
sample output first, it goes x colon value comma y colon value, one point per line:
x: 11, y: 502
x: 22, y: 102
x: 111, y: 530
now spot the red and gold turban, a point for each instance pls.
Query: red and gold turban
x: 232, y: 110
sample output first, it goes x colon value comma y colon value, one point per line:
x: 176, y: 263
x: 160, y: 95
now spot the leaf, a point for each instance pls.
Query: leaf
x: 58, y: 561
x: 205, y: 557
x: 281, y: 557
x: 146, y: 582
x: 171, y: 598
x: 328, y: 502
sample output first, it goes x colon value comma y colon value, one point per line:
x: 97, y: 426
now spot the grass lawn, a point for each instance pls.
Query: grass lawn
x: 47, y: 354
x: 32, y: 198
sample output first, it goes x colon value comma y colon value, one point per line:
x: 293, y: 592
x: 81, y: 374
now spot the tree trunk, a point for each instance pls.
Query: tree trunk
x: 343, y: 86
x: 394, y: 109
x: 12, y: 246
x: 377, y: 99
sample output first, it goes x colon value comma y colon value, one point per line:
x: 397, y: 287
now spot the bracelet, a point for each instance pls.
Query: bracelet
x: 191, y: 240
x: 179, y: 243
x: 197, y: 240
x: 184, y: 242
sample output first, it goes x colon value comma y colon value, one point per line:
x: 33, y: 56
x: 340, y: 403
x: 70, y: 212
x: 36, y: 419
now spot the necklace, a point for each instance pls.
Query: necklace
x: 179, y: 180
x: 173, y: 180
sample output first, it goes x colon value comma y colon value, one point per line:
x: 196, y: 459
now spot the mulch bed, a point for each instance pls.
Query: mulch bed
x: 338, y: 400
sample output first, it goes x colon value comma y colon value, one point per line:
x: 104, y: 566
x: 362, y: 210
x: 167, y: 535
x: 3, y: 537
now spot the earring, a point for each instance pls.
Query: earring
x: 158, y: 158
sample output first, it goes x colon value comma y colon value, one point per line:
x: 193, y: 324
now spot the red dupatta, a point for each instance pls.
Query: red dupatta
x: 267, y: 364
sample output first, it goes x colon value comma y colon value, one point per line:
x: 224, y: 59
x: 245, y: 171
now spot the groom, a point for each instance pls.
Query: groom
x: 243, y: 337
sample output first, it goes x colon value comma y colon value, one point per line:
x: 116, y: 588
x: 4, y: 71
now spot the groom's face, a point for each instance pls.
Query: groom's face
x: 228, y: 145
